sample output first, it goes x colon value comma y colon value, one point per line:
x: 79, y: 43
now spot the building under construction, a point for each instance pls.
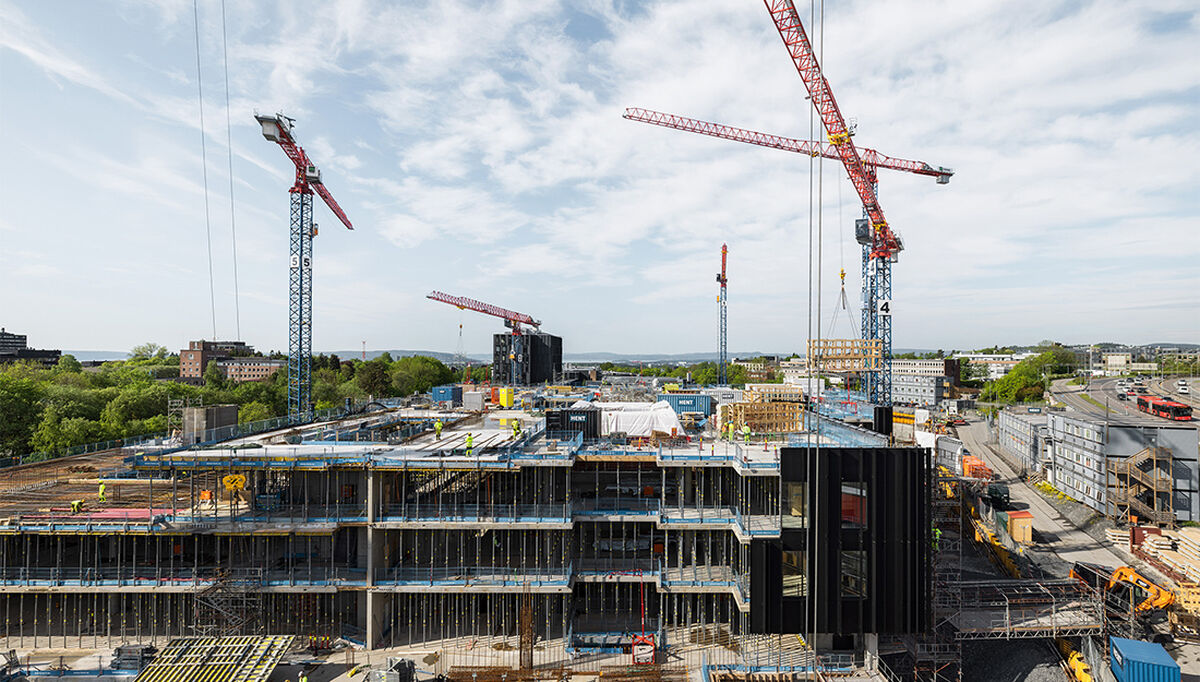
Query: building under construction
x: 491, y: 544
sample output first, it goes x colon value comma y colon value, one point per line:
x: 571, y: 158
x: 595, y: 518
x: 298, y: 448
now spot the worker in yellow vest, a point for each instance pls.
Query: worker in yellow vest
x: 470, y: 443
x: 437, y: 429
x: 745, y: 433
x: 516, y: 429
x: 101, y: 495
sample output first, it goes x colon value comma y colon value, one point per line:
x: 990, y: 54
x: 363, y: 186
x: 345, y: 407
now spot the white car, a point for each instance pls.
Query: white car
x: 1184, y: 390
x: 1181, y: 382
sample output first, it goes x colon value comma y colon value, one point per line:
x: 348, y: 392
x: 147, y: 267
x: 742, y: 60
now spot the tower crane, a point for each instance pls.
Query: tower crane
x: 723, y: 356
x: 881, y: 244
x: 278, y: 129
x: 512, y: 320
x: 871, y: 161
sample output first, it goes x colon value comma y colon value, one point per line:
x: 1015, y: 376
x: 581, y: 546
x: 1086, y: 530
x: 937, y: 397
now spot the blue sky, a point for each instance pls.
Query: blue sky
x: 479, y: 149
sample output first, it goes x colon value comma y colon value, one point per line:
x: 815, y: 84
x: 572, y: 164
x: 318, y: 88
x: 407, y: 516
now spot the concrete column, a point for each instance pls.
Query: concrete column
x: 871, y: 650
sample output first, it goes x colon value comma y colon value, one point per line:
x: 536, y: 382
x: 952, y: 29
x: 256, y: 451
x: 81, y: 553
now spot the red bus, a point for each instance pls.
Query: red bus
x: 1167, y: 409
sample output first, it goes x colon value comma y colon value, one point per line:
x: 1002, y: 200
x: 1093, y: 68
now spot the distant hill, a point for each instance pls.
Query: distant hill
x: 372, y: 354
x: 82, y: 355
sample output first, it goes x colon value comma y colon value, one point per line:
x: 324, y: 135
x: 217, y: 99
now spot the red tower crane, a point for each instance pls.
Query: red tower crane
x: 516, y: 347
x: 881, y: 244
x: 278, y: 129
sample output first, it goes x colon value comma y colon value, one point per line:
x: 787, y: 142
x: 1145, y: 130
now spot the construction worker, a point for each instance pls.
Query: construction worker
x: 470, y: 443
x: 437, y: 429
x: 101, y: 495
x: 516, y: 429
x: 937, y: 538
x: 76, y: 506
x: 745, y: 433
x: 303, y: 677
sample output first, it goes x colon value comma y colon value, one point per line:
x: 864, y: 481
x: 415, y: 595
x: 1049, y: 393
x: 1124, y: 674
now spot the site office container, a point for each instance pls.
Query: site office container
x: 449, y: 393
x: 1137, y: 661
x: 1020, y: 526
x: 689, y: 402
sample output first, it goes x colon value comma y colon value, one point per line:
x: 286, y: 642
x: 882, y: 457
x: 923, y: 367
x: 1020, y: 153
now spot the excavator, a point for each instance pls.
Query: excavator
x: 1124, y: 588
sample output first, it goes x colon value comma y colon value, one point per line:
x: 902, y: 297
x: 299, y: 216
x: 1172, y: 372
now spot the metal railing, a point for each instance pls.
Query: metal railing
x: 183, y: 576
x: 508, y: 513
x: 474, y: 575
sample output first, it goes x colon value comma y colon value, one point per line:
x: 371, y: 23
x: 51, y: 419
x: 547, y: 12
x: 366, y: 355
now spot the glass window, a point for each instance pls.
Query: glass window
x: 854, y: 573
x: 795, y: 511
x: 795, y: 580
x: 854, y: 505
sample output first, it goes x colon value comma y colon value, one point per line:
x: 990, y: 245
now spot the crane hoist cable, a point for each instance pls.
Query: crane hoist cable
x: 212, y: 290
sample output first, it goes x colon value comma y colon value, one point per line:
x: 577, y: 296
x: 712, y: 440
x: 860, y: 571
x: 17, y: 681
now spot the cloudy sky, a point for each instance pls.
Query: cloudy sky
x: 479, y: 149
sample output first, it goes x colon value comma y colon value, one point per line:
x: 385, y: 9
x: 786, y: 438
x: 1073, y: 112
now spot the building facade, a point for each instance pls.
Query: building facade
x: 249, y: 369
x: 1024, y: 435
x: 937, y: 367
x: 13, y: 348
x: 11, y: 343
x: 920, y: 390
x: 1087, y: 454
x: 194, y: 359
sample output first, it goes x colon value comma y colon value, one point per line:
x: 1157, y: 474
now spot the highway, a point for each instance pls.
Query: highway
x: 1066, y: 541
x: 1104, y: 391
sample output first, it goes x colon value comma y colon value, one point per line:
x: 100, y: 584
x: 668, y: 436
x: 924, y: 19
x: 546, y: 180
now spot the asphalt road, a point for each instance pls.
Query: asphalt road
x: 1103, y: 391
x: 1065, y: 540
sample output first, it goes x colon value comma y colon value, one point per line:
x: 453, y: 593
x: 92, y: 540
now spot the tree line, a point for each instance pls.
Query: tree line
x: 47, y: 410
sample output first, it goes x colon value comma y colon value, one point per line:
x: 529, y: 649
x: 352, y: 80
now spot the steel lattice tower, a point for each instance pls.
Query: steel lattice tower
x: 877, y: 322
x: 300, y: 307
x: 723, y: 353
x: 278, y: 129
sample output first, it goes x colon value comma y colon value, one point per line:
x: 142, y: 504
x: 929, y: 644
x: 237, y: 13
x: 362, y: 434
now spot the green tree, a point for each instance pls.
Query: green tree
x: 148, y: 350
x: 373, y: 377
x: 68, y: 363
x: 254, y: 411
x: 418, y: 374
x: 20, y: 412
x: 212, y: 376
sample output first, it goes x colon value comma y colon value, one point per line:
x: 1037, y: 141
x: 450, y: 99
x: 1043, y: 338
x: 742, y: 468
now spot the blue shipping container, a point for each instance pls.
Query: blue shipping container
x: 1136, y: 661
x: 448, y: 394
x: 689, y: 402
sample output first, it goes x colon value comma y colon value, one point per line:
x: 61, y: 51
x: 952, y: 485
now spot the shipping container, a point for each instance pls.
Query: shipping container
x: 473, y: 400
x: 689, y: 402
x: 448, y: 394
x: 1137, y: 661
x: 566, y: 423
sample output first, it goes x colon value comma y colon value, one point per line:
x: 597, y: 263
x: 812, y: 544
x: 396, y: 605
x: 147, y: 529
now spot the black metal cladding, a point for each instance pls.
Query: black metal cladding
x: 868, y: 505
x: 540, y: 361
x: 566, y: 423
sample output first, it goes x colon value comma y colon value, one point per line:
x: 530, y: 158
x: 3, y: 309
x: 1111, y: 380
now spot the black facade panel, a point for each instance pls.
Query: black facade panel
x: 882, y: 420
x: 538, y: 358
x: 867, y: 549
x: 566, y: 423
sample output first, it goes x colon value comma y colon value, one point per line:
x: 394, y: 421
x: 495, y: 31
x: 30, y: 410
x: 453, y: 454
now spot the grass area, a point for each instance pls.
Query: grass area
x: 1095, y: 402
x: 1077, y: 381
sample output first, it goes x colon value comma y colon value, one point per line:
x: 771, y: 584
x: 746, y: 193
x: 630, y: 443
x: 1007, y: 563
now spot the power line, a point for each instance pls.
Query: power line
x: 212, y: 291
x: 237, y: 304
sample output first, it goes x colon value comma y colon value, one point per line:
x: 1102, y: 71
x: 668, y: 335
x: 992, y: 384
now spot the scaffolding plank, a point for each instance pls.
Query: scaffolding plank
x: 217, y: 659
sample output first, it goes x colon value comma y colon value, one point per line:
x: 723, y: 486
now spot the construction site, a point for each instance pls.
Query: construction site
x: 553, y: 522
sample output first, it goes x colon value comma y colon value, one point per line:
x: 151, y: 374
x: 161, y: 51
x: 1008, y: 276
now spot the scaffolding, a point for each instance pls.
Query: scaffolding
x: 937, y: 657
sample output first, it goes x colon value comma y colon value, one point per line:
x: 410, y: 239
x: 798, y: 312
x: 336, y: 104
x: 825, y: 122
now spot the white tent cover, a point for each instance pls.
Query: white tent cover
x: 635, y: 419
